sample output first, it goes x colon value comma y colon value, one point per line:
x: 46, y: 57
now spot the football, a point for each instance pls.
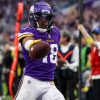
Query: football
x: 39, y: 50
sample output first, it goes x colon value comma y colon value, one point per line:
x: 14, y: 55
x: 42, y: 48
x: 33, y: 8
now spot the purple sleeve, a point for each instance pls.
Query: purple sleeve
x: 25, y: 32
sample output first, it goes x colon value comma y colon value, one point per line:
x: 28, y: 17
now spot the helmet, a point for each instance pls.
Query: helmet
x: 96, y: 31
x: 41, y: 16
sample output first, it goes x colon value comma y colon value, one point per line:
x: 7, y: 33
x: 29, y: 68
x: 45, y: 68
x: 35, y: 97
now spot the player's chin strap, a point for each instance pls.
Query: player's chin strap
x: 42, y: 30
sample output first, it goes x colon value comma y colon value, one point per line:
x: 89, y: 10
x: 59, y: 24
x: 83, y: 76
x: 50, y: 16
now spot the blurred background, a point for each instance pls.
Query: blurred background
x: 67, y: 18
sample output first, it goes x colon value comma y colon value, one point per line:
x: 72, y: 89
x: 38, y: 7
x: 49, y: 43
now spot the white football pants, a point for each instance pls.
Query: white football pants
x: 34, y: 89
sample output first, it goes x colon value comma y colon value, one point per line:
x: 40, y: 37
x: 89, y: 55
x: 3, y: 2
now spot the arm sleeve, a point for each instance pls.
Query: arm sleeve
x: 25, y: 32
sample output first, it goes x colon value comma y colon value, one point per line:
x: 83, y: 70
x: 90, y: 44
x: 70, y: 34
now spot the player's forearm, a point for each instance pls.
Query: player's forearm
x: 88, y: 38
x: 28, y: 42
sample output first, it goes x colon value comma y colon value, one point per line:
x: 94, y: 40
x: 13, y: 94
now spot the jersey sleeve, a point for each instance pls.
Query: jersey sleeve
x: 25, y: 32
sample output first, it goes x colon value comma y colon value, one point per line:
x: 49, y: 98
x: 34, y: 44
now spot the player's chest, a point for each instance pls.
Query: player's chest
x: 50, y: 38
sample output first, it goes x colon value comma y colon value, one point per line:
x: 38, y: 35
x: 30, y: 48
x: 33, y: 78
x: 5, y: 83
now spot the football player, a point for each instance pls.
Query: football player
x: 37, y: 82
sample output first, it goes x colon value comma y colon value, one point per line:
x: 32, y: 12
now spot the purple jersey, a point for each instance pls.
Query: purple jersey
x: 42, y: 69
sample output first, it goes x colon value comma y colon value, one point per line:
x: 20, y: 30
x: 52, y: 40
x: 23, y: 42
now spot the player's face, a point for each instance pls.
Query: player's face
x: 43, y: 20
x: 43, y: 23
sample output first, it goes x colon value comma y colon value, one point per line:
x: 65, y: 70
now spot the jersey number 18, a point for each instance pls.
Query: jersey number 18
x: 53, y: 54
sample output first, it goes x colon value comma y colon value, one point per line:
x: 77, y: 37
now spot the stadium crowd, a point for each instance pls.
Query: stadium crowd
x: 67, y: 19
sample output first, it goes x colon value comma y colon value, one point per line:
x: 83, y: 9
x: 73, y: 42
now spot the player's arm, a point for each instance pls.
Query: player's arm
x: 36, y: 47
x: 88, y: 38
x: 28, y: 42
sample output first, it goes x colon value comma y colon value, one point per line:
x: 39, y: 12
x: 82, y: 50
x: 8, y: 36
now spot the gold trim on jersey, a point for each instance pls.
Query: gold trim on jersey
x: 24, y: 35
x: 34, y: 41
